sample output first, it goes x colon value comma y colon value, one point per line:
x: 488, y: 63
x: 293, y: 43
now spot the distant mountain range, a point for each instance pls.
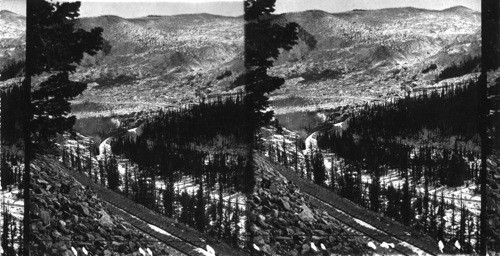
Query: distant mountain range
x: 12, y: 37
x: 169, y: 60
x: 172, y: 60
x: 131, y: 9
x: 387, y: 36
x: 362, y: 55
x: 187, y: 42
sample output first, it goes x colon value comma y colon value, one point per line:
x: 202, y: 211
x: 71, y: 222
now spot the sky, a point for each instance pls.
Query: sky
x: 131, y: 9
x: 138, y: 8
x: 16, y: 6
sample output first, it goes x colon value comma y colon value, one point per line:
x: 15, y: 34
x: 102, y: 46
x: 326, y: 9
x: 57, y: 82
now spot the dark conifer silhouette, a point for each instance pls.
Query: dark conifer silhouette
x: 200, y: 210
x: 318, y: 168
x: 7, y: 174
x: 375, y: 191
x: 442, y: 222
x: 12, y: 121
x: 263, y: 41
x: 12, y: 70
x: 59, y: 47
x: 112, y: 173
x: 11, y: 235
x: 53, y: 46
x: 464, y: 67
x: 284, y: 158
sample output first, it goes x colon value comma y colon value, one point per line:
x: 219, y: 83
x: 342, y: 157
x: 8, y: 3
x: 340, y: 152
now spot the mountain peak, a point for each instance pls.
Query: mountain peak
x: 4, y: 13
x: 458, y: 9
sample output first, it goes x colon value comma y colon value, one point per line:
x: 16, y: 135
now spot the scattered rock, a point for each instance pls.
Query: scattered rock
x: 284, y: 221
x: 45, y: 215
x: 66, y: 216
x: 105, y: 219
x: 306, y: 214
x: 284, y: 204
x: 259, y: 240
x: 305, y: 248
x: 83, y: 209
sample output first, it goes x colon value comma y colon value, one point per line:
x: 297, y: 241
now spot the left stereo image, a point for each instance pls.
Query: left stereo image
x: 122, y: 129
x: 13, y: 117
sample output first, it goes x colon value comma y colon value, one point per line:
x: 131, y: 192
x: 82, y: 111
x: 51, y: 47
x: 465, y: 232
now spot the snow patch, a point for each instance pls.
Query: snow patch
x: 364, y: 224
x: 161, y: 231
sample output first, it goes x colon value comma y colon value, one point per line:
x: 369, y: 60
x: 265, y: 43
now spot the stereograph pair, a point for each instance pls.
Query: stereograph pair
x: 250, y: 127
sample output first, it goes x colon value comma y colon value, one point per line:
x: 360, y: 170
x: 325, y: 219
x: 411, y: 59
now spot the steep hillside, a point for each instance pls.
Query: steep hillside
x: 67, y: 216
x: 284, y: 222
x: 12, y: 37
x: 363, y: 55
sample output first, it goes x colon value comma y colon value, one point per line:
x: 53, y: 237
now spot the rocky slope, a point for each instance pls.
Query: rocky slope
x: 66, y: 215
x: 283, y: 221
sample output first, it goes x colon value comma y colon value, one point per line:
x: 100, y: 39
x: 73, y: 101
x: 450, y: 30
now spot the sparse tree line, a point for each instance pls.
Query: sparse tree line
x: 403, y: 203
x: 171, y: 148
x: 450, y: 167
x: 386, y: 137
x: 11, y: 171
x: 12, y: 235
x: 212, y: 215
x: 12, y: 230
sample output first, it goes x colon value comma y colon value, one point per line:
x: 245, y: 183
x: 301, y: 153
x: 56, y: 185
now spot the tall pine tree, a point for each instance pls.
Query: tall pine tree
x: 57, y: 48
x: 263, y: 41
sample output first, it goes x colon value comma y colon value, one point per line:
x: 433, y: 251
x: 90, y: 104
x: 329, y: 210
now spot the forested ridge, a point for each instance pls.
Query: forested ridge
x: 449, y: 112
x: 429, y: 142
x: 205, y: 145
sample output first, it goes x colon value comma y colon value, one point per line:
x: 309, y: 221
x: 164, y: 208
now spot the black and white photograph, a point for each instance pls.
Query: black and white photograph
x: 12, y: 63
x: 250, y: 127
x: 374, y: 139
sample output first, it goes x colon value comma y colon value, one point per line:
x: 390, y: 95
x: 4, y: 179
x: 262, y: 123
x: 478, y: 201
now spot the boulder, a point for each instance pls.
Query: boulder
x: 305, y: 248
x: 275, y: 213
x: 306, y: 214
x: 45, y: 215
x: 105, y: 219
x: 266, y: 249
x: 259, y: 240
x: 83, y: 209
x: 284, y: 204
